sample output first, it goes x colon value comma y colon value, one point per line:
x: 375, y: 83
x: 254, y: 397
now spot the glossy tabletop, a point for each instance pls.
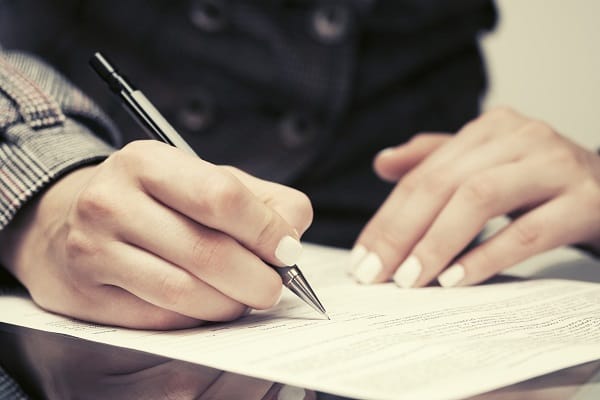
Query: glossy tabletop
x: 54, y: 366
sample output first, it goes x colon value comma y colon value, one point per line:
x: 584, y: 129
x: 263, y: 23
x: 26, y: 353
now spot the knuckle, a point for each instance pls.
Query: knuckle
x: 437, y: 183
x: 136, y: 154
x: 78, y: 244
x: 493, y: 116
x: 500, y: 112
x: 470, y: 126
x: 479, y: 192
x: 540, y: 129
x: 410, y: 182
x: 527, y: 232
x: 206, y: 255
x: 129, y: 154
x: 172, y: 290
x: 84, y: 257
x: 136, y: 150
x: 226, y: 194
x: 96, y: 202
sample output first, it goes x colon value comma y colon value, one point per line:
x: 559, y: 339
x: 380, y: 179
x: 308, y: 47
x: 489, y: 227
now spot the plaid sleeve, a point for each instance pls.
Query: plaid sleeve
x: 9, y: 389
x: 47, y: 128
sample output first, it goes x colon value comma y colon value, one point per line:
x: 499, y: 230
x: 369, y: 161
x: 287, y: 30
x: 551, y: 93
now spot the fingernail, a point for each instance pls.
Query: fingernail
x: 368, y: 269
x: 288, y: 250
x: 408, y: 272
x: 288, y: 392
x: 356, y: 255
x: 452, y: 276
x: 385, y: 152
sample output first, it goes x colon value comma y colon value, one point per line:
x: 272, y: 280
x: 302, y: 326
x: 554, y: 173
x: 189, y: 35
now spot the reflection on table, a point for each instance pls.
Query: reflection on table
x: 59, y: 367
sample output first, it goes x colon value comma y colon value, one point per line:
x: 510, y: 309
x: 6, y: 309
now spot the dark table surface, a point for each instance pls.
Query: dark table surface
x: 53, y: 366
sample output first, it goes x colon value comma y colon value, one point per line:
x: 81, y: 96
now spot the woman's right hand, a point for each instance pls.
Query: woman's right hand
x: 155, y: 238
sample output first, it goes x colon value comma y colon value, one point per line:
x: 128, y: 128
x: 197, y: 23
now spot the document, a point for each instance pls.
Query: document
x: 382, y: 342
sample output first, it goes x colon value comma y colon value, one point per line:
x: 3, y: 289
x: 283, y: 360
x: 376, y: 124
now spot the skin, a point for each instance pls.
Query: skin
x: 154, y: 238
x: 449, y: 187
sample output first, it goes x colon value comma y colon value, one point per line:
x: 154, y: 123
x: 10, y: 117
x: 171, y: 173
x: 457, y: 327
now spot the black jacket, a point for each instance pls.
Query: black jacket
x: 297, y: 91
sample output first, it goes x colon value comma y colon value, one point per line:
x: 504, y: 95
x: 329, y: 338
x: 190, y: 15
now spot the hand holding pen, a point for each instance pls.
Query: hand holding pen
x: 153, y: 237
x: 288, y: 249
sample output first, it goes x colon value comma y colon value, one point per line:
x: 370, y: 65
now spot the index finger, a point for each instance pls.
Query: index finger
x: 211, y: 196
x: 392, y: 163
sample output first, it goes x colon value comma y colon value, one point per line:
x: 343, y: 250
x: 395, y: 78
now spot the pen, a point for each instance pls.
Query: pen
x: 159, y: 128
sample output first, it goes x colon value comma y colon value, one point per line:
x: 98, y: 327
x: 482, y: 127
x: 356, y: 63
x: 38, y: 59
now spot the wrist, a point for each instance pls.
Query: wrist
x: 29, y: 234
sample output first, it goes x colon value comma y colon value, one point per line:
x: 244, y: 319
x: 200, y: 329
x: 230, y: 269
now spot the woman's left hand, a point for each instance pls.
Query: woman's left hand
x: 450, y: 187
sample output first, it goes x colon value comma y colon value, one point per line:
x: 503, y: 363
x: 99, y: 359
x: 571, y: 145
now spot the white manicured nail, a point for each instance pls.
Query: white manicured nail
x: 452, y: 276
x: 368, y: 269
x: 288, y: 392
x: 408, y: 272
x: 356, y: 255
x: 288, y: 250
x: 385, y: 152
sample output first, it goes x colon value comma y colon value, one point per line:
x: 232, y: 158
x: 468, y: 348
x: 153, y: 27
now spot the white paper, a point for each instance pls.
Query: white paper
x: 382, y: 342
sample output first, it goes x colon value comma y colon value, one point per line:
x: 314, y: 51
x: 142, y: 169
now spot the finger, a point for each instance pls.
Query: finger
x: 165, y: 285
x: 532, y: 233
x: 412, y: 207
x: 488, y: 127
x: 213, y: 197
x: 293, y: 205
x: 111, y: 305
x: 209, y: 255
x: 488, y: 194
x: 392, y: 163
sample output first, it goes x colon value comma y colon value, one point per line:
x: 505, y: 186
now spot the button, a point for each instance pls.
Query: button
x: 331, y: 23
x: 198, y: 113
x: 208, y: 15
x: 297, y: 129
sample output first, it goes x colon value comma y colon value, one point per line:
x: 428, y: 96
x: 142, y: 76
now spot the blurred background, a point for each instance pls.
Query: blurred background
x: 544, y: 60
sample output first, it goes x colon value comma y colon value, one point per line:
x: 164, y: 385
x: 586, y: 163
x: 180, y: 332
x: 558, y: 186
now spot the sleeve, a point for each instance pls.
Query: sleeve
x: 9, y: 389
x: 47, y: 128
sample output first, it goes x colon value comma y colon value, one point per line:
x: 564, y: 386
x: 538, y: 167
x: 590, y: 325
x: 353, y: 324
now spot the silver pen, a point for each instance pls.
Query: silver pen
x: 159, y: 128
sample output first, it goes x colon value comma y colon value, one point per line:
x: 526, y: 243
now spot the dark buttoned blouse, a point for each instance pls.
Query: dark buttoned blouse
x: 303, y: 92
x: 297, y: 91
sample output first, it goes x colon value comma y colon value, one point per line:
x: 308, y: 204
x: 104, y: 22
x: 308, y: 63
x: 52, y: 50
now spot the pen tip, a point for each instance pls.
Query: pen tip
x: 327, y: 316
